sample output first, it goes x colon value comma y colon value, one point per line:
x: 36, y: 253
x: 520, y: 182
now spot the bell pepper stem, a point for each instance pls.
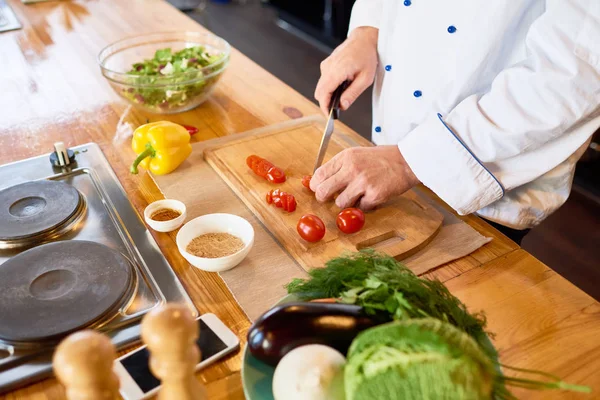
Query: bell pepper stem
x: 149, y: 152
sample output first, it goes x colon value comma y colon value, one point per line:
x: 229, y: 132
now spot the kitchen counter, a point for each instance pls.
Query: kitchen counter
x: 52, y: 90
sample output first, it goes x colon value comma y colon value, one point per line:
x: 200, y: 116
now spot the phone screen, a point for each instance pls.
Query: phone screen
x: 137, y: 364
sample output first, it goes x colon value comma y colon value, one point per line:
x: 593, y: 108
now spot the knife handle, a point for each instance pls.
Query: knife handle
x: 334, y: 105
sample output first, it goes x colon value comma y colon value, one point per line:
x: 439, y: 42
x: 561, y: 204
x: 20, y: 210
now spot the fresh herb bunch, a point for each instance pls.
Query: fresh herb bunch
x: 178, y: 77
x: 384, y: 287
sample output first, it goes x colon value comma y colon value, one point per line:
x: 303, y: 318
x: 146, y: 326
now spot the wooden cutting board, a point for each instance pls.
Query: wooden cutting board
x: 399, y: 228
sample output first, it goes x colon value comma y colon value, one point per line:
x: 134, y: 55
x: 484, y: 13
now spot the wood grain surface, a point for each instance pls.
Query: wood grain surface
x: 52, y: 90
x: 400, y: 228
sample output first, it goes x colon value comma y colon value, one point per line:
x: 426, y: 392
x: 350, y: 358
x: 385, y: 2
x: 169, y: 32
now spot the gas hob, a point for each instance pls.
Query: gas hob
x: 74, y: 254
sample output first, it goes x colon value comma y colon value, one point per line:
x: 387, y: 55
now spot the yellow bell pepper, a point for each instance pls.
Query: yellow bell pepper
x: 161, y: 147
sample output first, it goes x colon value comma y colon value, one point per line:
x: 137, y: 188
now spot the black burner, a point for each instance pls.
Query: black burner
x: 57, y: 288
x: 32, y: 208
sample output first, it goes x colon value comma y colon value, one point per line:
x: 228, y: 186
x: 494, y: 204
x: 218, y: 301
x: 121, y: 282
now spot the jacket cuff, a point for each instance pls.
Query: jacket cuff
x: 365, y: 13
x: 441, y: 161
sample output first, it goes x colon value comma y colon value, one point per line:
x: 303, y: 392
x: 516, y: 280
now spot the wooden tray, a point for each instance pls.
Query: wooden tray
x: 400, y: 228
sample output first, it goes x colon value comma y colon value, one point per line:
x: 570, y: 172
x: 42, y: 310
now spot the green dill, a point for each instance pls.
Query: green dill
x: 386, y: 288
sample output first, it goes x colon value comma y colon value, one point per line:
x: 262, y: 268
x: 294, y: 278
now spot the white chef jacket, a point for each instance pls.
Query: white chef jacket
x: 491, y: 102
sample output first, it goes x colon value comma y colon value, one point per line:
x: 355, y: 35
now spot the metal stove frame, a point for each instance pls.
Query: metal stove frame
x: 157, y: 283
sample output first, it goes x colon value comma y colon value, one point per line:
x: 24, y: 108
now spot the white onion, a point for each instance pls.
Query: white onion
x: 311, y: 372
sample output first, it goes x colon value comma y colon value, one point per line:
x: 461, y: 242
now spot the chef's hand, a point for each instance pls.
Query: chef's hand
x: 354, y: 60
x: 365, y: 176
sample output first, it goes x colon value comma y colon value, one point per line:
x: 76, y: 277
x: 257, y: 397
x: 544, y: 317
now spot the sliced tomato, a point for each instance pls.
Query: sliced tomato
x: 251, y: 160
x: 291, y: 204
x: 262, y: 167
x: 255, y: 163
x: 275, y: 175
x: 280, y: 199
x: 306, y: 181
x: 286, y: 201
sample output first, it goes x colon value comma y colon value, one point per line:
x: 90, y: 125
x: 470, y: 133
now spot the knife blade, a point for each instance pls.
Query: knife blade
x: 334, y: 113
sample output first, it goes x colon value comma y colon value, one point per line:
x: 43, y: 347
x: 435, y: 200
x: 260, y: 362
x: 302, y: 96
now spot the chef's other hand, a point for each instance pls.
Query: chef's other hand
x: 365, y: 176
x: 354, y: 60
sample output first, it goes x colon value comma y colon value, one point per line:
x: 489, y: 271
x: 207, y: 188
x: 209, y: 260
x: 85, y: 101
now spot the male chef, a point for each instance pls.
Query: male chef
x: 488, y: 103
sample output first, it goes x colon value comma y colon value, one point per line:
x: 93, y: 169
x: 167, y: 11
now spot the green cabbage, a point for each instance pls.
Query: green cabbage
x: 420, y: 359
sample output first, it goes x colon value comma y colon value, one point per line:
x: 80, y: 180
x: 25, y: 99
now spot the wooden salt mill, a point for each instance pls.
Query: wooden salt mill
x: 83, y: 363
x: 170, y: 332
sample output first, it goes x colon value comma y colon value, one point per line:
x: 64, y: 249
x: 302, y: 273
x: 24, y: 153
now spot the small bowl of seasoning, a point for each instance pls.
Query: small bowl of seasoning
x: 215, y: 242
x: 165, y: 215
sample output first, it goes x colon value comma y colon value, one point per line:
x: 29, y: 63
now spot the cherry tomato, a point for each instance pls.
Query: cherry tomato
x: 192, y: 130
x: 275, y: 175
x: 278, y: 202
x: 350, y: 220
x: 306, y: 181
x: 270, y: 197
x: 311, y: 228
x: 275, y: 193
x: 262, y: 167
x: 251, y: 160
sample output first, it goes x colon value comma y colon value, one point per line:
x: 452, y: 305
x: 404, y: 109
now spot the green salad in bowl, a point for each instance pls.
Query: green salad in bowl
x: 165, y: 73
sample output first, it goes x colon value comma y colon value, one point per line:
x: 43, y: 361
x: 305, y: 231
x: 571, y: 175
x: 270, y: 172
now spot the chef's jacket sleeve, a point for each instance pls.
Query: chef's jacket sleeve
x: 365, y: 13
x: 465, y: 155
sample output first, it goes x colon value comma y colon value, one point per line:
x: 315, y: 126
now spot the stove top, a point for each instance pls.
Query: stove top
x: 54, y: 257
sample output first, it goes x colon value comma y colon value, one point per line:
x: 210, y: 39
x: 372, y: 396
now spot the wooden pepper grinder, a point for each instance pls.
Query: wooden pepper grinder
x: 83, y: 363
x: 170, y: 332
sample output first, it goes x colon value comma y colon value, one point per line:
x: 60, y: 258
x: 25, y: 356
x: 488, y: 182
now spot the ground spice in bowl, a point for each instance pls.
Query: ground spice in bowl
x: 165, y: 214
x: 214, y: 245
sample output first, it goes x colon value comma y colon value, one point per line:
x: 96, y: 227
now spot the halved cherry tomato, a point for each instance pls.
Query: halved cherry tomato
x: 311, y: 228
x: 262, y: 167
x: 306, y: 181
x: 192, y: 130
x: 275, y: 175
x: 270, y: 197
x: 251, y: 160
x: 278, y: 202
x: 350, y: 220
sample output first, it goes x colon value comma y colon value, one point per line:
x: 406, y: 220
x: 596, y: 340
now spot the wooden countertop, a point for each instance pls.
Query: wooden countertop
x: 51, y: 90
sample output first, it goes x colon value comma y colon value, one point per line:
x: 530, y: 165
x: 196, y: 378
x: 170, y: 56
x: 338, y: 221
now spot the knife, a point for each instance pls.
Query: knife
x: 334, y: 113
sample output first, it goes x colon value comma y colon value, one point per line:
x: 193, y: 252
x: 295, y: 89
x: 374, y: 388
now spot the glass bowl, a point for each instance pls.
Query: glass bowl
x: 166, y: 92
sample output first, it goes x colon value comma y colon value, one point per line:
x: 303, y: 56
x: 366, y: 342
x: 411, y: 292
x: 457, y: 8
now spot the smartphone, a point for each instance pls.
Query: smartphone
x: 137, y: 382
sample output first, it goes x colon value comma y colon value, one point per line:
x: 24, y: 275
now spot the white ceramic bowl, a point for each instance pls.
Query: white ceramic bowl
x: 216, y: 223
x: 165, y: 226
